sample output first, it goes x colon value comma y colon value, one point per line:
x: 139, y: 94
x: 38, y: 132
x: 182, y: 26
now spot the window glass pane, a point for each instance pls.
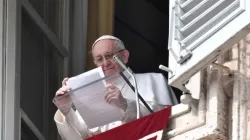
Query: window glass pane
x: 32, y: 71
x: 55, y: 76
x: 51, y: 12
x: 55, y: 16
x: 39, y: 6
x: 41, y: 73
x: 26, y: 133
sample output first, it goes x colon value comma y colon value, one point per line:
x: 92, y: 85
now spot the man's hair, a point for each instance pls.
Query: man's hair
x: 117, y: 42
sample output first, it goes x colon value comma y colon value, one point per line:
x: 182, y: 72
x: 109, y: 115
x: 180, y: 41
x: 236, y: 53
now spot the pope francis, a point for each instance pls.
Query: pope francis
x: 153, y: 88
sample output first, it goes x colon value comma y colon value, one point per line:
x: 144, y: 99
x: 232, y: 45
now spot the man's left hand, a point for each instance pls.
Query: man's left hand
x: 114, y: 96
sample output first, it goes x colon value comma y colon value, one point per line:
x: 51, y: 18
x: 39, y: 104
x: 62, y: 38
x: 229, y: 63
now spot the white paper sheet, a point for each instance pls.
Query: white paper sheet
x: 89, y: 100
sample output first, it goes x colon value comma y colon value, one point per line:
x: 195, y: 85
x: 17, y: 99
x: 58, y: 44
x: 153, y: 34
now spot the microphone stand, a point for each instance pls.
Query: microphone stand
x: 134, y: 88
x: 140, y: 97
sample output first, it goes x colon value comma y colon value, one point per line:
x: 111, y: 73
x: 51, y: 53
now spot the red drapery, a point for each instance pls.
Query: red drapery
x: 137, y: 129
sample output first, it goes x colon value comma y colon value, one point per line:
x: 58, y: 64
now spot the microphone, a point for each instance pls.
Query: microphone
x: 135, y: 89
x: 135, y: 84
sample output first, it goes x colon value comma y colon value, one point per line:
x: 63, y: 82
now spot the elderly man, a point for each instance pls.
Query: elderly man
x: 152, y: 87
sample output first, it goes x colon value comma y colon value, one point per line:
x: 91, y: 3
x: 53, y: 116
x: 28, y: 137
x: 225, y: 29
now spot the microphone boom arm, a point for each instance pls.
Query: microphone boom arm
x: 134, y: 88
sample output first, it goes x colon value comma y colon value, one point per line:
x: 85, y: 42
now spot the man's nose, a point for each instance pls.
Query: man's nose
x: 106, y: 62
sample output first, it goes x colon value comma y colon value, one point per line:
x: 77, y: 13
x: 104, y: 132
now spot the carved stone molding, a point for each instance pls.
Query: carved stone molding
x: 207, y: 118
x: 240, y: 111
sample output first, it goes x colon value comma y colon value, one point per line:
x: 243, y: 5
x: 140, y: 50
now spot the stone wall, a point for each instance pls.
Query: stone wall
x: 221, y: 108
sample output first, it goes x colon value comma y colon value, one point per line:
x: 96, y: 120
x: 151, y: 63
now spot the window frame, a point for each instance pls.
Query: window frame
x: 10, y: 64
x: 10, y: 29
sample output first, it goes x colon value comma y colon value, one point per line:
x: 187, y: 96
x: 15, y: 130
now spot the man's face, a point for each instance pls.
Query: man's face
x: 103, y: 52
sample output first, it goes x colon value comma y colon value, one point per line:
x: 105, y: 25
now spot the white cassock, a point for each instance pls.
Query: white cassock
x: 153, y: 88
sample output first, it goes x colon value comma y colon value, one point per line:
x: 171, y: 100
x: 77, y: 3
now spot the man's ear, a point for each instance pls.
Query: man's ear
x: 125, y: 56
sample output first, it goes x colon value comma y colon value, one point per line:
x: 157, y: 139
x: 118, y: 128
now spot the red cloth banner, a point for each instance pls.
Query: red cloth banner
x: 139, y: 128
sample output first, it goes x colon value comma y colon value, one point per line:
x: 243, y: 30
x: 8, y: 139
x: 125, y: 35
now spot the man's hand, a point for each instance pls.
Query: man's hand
x: 62, y: 100
x: 113, y: 96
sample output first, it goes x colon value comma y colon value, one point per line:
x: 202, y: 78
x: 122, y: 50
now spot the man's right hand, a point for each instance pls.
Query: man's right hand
x: 62, y: 100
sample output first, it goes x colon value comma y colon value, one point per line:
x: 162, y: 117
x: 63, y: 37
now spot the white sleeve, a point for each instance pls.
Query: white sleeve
x: 130, y: 113
x: 71, y: 126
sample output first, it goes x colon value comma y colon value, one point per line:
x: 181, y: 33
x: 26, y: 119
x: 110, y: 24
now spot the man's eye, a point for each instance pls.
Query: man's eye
x: 109, y: 56
x: 98, y: 59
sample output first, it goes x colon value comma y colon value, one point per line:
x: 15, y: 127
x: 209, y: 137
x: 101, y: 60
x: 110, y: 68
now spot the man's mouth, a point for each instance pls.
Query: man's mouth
x: 108, y: 69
